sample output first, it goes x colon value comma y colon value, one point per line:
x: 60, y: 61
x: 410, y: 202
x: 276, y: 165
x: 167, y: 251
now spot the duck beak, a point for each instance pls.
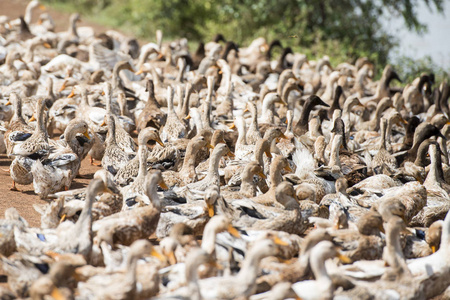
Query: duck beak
x: 39, y: 22
x: 8, y: 103
x: 160, y: 56
x: 268, y: 154
x: 246, y: 110
x: 279, y: 241
x: 262, y: 175
x: 187, y: 117
x: 63, y: 218
x: 103, y: 93
x: 56, y: 294
x: 41, y: 7
x: 210, y: 210
x: 63, y: 86
x: 233, y: 231
x: 33, y: 118
x: 209, y: 146
x: 344, y: 258
x: 158, y: 255
x: 72, y: 93
x: 158, y: 140
x: 172, y: 258
x: 163, y: 185
x: 141, y: 70
x: 86, y: 134
x: 433, y: 248
x: 230, y: 154
x: 47, y: 45
x: 103, y: 123
x: 282, y: 136
x: 288, y: 169
x: 233, y: 126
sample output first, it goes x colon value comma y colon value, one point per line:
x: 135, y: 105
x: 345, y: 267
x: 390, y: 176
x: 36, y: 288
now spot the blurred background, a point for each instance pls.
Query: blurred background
x: 413, y: 35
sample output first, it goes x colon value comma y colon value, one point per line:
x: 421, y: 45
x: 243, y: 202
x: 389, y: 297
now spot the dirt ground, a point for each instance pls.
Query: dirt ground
x: 23, y: 201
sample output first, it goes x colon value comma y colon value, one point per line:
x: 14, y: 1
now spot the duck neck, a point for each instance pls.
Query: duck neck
x: 288, y: 88
x: 267, y: 109
x: 422, y: 153
x: 41, y: 124
x: 317, y: 262
x: 334, y: 154
x: 383, y: 135
x: 143, y: 153
x: 275, y: 174
x: 248, y: 187
x: 152, y: 193
x: 394, y: 252
x: 187, y: 97
x: 170, y: 109
x: 242, y: 132
x: 192, y: 280
x: 111, y: 139
x: 108, y: 103
x: 182, y: 68
x: 433, y: 176
x: 9, y: 62
x: 131, y: 270
x: 213, y: 169
x: 260, y: 150
x: 303, y: 121
x: 50, y: 93
x: 73, y: 28
x: 380, y: 108
x: 209, y: 240
x: 29, y: 12
x: 84, y: 99
x: 250, y: 268
x: 151, y: 100
x: 18, y: 109
x: 83, y: 226
x: 189, y: 160
x: 206, y: 116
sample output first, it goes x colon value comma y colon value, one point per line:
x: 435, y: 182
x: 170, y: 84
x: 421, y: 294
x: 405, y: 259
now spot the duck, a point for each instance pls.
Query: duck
x: 79, y: 235
x: 196, y: 215
x: 17, y: 124
x: 114, y: 157
x: 383, y: 158
x: 63, y: 164
x: 288, y: 218
x: 131, y: 225
x: 212, y: 176
x: 322, y: 287
x: 151, y: 115
x: 278, y: 164
x: 27, y: 152
x: 300, y: 127
x: 127, y: 173
x: 123, y: 139
x: 137, y: 188
x: 227, y: 287
x: 187, y: 173
x: 121, y: 285
x: 174, y: 129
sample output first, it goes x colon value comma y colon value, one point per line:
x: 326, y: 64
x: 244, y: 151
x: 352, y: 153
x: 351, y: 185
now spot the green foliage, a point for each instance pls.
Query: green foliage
x: 409, y: 68
x: 343, y: 29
